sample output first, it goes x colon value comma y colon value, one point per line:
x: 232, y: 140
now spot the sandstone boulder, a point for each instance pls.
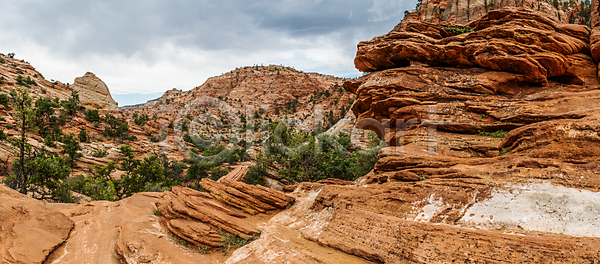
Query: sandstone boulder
x: 252, y: 199
x: 199, y: 219
x: 94, y: 93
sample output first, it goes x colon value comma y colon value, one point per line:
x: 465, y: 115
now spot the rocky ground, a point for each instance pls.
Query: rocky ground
x: 493, y: 157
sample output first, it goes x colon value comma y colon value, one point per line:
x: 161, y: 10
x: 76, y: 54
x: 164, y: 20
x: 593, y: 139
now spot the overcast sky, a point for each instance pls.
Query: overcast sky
x: 141, y: 48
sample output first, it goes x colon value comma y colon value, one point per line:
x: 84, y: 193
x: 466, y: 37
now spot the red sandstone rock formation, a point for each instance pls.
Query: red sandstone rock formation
x: 465, y: 11
x: 29, y: 230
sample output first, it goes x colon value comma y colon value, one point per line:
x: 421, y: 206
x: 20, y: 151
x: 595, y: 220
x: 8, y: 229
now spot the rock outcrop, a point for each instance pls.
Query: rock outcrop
x: 236, y: 175
x: 272, y: 92
x: 94, y: 93
x: 29, y: 230
x: 252, y: 199
x: 509, y: 40
x: 488, y: 160
x: 198, y: 218
x: 179, y: 226
x: 462, y: 11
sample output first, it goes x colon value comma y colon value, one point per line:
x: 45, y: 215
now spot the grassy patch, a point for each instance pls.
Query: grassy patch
x: 156, y: 212
x: 180, y: 241
x: 233, y: 241
x: 498, y: 134
x: 458, y: 30
x: 504, y: 151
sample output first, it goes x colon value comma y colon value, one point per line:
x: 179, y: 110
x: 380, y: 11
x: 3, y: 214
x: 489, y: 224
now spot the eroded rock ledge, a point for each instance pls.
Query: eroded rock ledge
x: 510, y: 39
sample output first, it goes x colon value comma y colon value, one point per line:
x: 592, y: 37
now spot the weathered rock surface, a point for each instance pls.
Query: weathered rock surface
x: 29, y: 230
x: 509, y: 39
x: 577, y: 12
x: 236, y: 175
x: 149, y: 228
x: 273, y: 92
x: 94, y: 93
x: 252, y: 199
x: 197, y: 218
x: 487, y: 163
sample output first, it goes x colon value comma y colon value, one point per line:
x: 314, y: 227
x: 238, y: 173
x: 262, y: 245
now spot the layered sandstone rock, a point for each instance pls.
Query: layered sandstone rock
x: 94, y: 93
x: 29, y: 230
x: 236, y: 175
x: 252, y: 199
x: 509, y: 39
x: 198, y: 218
x: 464, y: 11
x: 180, y: 226
x: 254, y: 94
x: 486, y: 161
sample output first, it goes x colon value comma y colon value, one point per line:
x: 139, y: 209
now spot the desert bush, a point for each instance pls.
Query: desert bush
x: 71, y: 149
x: 217, y: 173
x: 83, y: 137
x: 4, y: 100
x: 99, y: 153
x: 71, y: 106
x: 140, y: 120
x: 92, y: 115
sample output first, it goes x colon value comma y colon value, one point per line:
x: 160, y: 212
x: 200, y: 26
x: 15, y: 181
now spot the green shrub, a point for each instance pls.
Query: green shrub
x: 71, y: 148
x: 82, y: 136
x: 229, y: 241
x: 196, y: 172
x: 116, y: 128
x: 163, y: 135
x: 30, y: 81
x: 217, y: 173
x: 99, y: 153
x: 458, y: 30
x: 256, y: 173
x: 71, y: 106
x: 92, y: 115
x: 20, y: 80
x: 499, y: 134
x: 4, y: 100
x: 140, y: 120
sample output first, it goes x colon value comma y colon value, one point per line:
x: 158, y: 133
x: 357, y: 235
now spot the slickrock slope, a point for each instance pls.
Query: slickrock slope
x: 12, y: 68
x: 94, y: 93
x: 29, y: 230
x: 154, y: 227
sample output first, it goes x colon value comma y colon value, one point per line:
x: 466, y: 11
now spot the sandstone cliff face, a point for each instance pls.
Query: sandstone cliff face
x: 487, y: 161
x: 465, y: 11
x: 94, y: 93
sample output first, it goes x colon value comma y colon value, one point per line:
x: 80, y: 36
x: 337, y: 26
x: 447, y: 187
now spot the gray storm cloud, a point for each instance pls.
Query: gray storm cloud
x: 150, y: 46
